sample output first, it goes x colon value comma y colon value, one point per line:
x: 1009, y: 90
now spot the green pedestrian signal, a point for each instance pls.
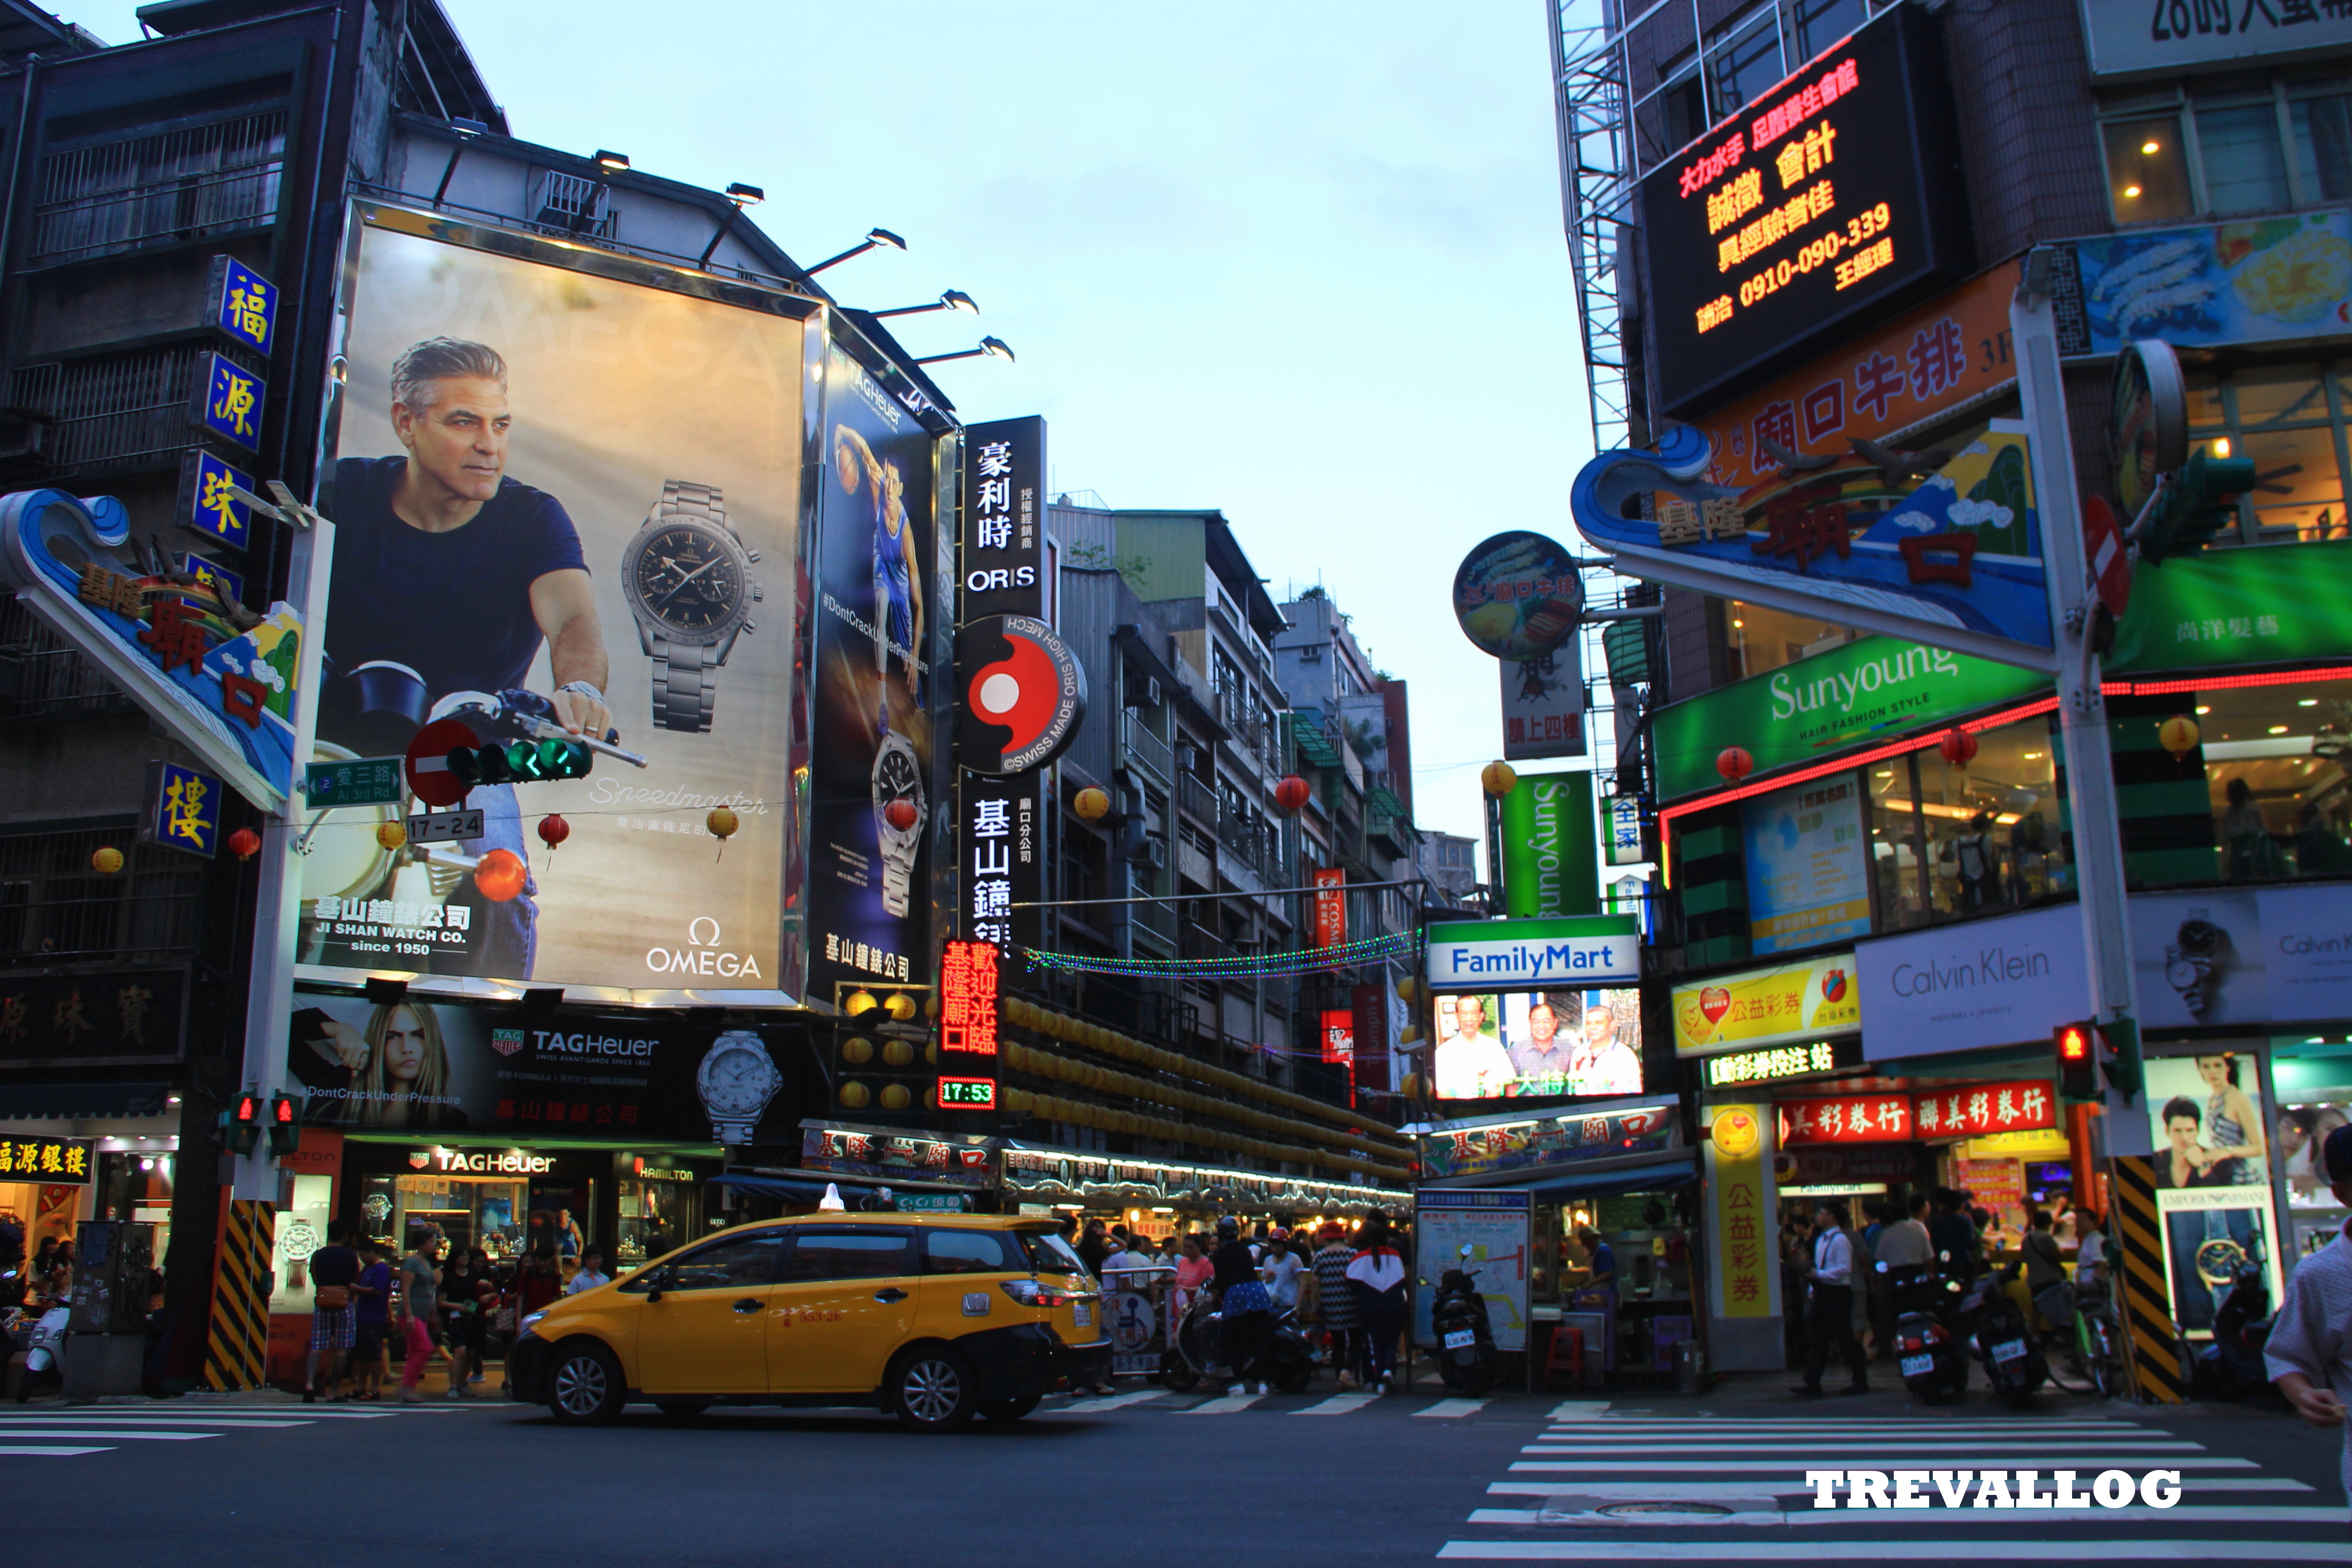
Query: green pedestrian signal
x: 2201, y: 502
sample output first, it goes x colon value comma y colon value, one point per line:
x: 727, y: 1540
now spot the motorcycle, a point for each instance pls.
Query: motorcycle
x: 1457, y: 1317
x: 1196, y: 1349
x: 2013, y: 1362
x: 2232, y: 1366
x: 45, y: 1351
x: 1930, y: 1353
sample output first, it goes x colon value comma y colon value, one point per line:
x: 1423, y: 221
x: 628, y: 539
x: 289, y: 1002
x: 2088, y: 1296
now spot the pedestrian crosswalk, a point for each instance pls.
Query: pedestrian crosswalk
x: 1208, y: 1402
x: 1693, y: 1488
x: 78, y: 1431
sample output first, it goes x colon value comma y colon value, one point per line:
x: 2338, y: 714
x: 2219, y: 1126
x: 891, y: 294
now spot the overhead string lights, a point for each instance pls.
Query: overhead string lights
x: 1268, y: 965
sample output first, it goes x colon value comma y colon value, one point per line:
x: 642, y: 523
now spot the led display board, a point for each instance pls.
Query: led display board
x: 968, y: 997
x: 1832, y: 199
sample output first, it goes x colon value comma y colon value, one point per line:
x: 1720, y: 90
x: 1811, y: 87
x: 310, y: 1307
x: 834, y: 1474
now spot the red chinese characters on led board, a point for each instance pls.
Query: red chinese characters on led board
x: 968, y: 997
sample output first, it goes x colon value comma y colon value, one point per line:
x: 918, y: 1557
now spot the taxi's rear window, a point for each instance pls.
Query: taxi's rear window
x: 971, y: 1252
x: 1048, y: 1253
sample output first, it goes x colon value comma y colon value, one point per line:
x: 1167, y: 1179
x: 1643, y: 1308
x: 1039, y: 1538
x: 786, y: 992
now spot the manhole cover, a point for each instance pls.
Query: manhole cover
x: 1623, y: 1510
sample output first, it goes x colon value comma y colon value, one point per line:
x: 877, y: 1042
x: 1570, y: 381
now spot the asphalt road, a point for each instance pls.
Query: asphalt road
x: 1144, y: 1479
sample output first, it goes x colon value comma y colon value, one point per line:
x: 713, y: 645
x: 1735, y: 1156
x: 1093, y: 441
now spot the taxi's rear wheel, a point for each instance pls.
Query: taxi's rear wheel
x: 932, y: 1390
x: 584, y: 1387
x: 1010, y: 1409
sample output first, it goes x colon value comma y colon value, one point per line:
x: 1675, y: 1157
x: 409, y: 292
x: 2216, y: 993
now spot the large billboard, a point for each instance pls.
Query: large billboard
x: 882, y: 629
x: 568, y: 488
x: 1822, y: 205
x: 1538, y: 1043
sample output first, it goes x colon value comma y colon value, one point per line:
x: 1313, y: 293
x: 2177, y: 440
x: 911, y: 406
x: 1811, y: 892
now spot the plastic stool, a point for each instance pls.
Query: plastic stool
x: 1566, y: 1354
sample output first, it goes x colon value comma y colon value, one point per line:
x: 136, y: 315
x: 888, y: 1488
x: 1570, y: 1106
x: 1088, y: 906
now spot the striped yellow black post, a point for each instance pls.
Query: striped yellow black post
x: 2153, y: 1343
x: 239, y: 1354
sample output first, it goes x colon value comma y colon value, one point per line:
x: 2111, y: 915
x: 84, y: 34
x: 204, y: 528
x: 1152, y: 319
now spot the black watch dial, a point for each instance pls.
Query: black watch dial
x: 895, y: 780
x: 689, y: 578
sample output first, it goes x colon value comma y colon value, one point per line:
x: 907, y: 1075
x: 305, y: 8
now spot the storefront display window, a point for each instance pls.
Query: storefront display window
x: 136, y: 1186
x: 2275, y: 773
x: 2314, y: 1091
x: 1950, y: 841
x: 657, y: 1215
x: 2212, y: 1178
x: 497, y: 1214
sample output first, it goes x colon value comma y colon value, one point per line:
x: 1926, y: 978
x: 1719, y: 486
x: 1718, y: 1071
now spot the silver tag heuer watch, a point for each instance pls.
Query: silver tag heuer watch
x: 898, y: 812
x: 736, y: 1081
x: 686, y: 577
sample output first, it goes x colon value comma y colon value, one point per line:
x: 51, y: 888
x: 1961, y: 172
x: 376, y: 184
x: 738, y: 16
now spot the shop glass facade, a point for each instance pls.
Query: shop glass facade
x: 1947, y: 841
x: 2290, y: 419
x: 2275, y: 774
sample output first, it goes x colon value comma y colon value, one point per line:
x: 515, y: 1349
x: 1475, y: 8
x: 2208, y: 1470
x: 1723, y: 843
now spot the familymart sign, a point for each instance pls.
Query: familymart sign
x: 1521, y: 955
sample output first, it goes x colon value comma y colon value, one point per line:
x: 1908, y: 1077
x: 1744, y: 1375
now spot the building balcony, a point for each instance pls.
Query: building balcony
x: 1197, y: 798
x: 1138, y: 746
x: 167, y: 188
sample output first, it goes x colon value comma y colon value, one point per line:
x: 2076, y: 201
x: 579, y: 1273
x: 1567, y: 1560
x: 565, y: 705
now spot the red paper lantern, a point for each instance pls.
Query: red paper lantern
x: 501, y: 876
x: 553, y: 830
x: 1734, y: 763
x: 1957, y: 747
x: 1292, y: 793
x: 245, y: 844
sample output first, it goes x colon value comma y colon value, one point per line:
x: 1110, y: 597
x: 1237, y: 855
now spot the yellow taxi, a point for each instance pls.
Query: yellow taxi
x: 936, y: 1318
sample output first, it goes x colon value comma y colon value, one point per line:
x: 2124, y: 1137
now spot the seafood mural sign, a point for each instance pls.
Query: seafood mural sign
x: 1943, y: 546
x: 2247, y: 282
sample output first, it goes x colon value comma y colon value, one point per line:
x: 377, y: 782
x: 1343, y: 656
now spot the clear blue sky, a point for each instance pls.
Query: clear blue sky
x: 1299, y: 261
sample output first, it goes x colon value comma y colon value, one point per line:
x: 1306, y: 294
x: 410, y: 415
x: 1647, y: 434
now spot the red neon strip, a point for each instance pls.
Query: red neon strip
x: 1858, y: 760
x: 2229, y: 682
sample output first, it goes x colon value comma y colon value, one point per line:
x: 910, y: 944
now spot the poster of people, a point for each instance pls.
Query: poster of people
x: 565, y: 505
x: 1530, y: 1044
x: 429, y: 1067
x: 874, y: 810
x: 2212, y: 1180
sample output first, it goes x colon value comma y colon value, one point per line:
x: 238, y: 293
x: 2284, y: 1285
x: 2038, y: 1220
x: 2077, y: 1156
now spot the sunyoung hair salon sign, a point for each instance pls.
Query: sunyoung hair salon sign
x: 1480, y: 955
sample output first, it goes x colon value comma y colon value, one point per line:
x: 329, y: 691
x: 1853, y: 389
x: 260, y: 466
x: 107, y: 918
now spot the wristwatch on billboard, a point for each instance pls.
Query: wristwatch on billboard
x: 686, y: 577
x: 2194, y: 960
x: 736, y: 1081
x: 898, y: 818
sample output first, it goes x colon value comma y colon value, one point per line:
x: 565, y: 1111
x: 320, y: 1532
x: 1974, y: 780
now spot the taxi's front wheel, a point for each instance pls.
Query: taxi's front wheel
x: 584, y: 1386
x: 933, y: 1390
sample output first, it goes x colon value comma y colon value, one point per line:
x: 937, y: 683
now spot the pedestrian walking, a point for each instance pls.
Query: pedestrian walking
x: 2309, y: 1353
x: 371, y: 1310
x: 420, y: 1288
x: 592, y: 1272
x: 1194, y: 1270
x: 334, y: 1270
x: 1243, y: 1306
x: 1334, y: 1301
x: 462, y: 1322
x: 1377, y: 1275
x: 1280, y: 1269
x: 1899, y: 1262
x: 1829, y: 1319
x: 1094, y: 1246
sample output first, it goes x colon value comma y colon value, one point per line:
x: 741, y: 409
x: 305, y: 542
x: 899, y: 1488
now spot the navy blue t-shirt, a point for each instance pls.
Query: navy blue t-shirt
x: 455, y: 606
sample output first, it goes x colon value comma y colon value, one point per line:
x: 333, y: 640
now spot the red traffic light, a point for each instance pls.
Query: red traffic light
x: 248, y: 1110
x: 2073, y: 1042
x: 281, y: 1110
x: 2078, y: 1065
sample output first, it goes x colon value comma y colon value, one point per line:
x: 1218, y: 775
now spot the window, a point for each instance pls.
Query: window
x: 2291, y: 420
x: 1049, y: 1254
x: 2275, y: 773
x: 1745, y: 63
x: 731, y: 1263
x: 1820, y: 23
x: 1762, y: 639
x: 970, y: 1252
x: 849, y: 1254
x: 1947, y: 841
x: 2225, y: 146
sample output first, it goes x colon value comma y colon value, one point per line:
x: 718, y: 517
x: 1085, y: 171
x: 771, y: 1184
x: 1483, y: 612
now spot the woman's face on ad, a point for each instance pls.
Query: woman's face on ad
x: 403, y: 1046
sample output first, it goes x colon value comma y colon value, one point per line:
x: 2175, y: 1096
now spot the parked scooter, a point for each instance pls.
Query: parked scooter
x: 2013, y: 1359
x: 1465, y: 1339
x: 2232, y: 1366
x: 1931, y: 1356
x: 45, y: 1351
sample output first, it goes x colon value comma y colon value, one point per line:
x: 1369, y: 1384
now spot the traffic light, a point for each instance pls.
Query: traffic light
x: 2078, y: 1064
x: 285, y: 1126
x: 520, y: 762
x: 244, y: 1124
x: 2201, y: 502
x: 2119, y: 1057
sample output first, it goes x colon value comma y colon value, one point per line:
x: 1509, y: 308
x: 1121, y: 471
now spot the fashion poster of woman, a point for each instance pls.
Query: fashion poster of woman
x: 2212, y: 1179
x: 390, y: 1065
x: 566, y: 504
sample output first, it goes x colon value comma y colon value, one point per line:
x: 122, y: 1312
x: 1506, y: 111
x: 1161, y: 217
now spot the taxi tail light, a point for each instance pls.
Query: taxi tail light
x: 1030, y: 1293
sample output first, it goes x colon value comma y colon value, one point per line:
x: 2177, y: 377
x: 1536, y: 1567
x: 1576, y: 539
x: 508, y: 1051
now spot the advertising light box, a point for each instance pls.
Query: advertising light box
x: 1834, y: 198
x: 1546, y: 1043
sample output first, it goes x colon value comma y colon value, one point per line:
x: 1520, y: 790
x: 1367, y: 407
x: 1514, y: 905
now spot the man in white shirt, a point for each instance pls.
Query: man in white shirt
x: 1828, y: 1318
x: 1473, y: 1065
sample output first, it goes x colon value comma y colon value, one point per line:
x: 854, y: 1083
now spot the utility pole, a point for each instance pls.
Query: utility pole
x: 2082, y: 709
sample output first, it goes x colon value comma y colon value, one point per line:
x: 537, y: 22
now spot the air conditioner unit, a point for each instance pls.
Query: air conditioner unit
x: 1148, y: 851
x: 1143, y: 692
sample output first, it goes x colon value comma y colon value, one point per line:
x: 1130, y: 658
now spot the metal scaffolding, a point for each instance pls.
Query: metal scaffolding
x: 1597, y: 182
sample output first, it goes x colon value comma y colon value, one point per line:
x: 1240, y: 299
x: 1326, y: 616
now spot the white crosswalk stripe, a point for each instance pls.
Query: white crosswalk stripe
x: 1337, y: 1405
x: 1604, y: 1486
x: 101, y: 1429
x: 1452, y: 1409
x: 1226, y: 1405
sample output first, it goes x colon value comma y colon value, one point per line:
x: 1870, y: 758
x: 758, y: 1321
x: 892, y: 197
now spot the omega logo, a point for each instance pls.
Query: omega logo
x: 698, y: 958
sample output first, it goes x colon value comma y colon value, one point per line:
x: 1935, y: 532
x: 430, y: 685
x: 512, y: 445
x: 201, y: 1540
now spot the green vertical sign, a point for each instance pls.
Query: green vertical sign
x: 1550, y: 865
